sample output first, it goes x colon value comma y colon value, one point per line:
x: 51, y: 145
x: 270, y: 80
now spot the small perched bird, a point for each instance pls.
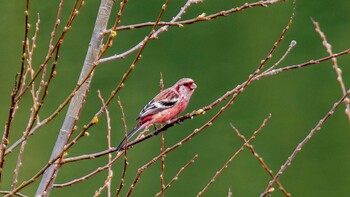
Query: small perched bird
x: 164, y: 107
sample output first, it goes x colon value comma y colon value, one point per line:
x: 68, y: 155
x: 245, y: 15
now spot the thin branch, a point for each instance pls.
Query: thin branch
x: 29, y: 67
x: 52, y: 48
x: 32, y: 119
x: 336, y: 68
x: 29, y: 70
x: 42, y: 67
x: 234, y: 155
x: 301, y: 65
x: 174, y: 22
x: 291, y: 45
x: 229, y: 194
x: 113, y: 32
x: 121, y: 185
x: 100, y: 169
x: 263, y: 164
x: 176, y: 177
x: 154, y: 34
x: 16, y: 194
x: 201, y: 19
x: 162, y: 167
x: 15, y: 91
x: 107, y: 183
x: 59, y: 156
x: 302, y: 143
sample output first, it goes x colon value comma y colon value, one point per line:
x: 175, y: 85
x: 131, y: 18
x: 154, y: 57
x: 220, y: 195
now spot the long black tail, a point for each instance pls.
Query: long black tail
x: 122, y: 143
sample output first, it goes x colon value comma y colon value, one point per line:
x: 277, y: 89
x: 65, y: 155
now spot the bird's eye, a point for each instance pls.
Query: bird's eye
x: 187, y: 84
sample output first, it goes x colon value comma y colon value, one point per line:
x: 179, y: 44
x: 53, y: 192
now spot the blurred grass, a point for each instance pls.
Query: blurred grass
x: 218, y: 55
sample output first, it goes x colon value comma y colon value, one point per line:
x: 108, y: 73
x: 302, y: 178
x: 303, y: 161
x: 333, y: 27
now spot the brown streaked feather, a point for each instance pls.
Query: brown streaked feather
x: 164, y: 100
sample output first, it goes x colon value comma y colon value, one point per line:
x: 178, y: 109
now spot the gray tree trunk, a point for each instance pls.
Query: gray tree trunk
x: 77, y: 101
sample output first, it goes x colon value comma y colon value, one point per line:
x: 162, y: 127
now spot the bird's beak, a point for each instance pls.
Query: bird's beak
x: 193, y: 86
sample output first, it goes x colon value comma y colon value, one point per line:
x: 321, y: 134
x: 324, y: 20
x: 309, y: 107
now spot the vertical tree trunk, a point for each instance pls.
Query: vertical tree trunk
x: 77, y: 101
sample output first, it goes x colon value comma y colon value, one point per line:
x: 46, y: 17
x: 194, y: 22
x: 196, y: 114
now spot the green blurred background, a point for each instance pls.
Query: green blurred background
x: 218, y: 54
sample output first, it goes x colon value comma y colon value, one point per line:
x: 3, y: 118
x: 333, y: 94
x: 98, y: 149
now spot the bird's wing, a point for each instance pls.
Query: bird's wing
x: 164, y: 100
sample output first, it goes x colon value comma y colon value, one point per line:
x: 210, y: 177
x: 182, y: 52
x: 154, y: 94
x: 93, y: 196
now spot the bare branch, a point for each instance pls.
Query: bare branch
x: 100, y: 169
x: 174, y: 22
x: 15, y: 91
x: 256, y: 155
x: 121, y: 185
x: 302, y: 143
x: 176, y: 177
x: 107, y: 183
x: 337, y: 70
x: 16, y: 194
x: 234, y: 155
x: 162, y: 168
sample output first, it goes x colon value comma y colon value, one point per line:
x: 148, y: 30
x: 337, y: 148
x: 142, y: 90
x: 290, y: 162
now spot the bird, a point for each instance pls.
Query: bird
x: 163, y: 107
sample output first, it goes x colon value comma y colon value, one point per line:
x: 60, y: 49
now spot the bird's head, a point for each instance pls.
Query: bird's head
x: 185, y: 87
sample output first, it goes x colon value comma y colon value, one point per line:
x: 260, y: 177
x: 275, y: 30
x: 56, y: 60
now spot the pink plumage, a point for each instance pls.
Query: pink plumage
x: 164, y: 106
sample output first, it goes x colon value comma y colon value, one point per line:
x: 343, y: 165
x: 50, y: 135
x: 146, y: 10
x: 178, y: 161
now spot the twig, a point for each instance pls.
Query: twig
x: 301, y: 65
x: 263, y: 164
x: 291, y: 45
x: 29, y: 70
x: 336, y: 68
x: 52, y: 161
x: 234, y: 155
x: 113, y: 32
x: 15, y: 91
x: 100, y: 169
x: 16, y: 194
x: 181, y: 23
x: 176, y: 177
x: 107, y: 183
x: 77, y: 5
x: 302, y: 143
x: 155, y: 34
x: 121, y: 185
x: 162, y: 168
x: 199, y: 19
x: 32, y: 119
x: 229, y: 192
x: 38, y: 174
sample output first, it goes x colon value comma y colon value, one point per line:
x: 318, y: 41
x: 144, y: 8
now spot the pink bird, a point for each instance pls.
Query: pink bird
x: 164, y: 107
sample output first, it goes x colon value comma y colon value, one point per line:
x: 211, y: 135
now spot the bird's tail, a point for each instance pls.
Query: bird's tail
x: 132, y: 133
